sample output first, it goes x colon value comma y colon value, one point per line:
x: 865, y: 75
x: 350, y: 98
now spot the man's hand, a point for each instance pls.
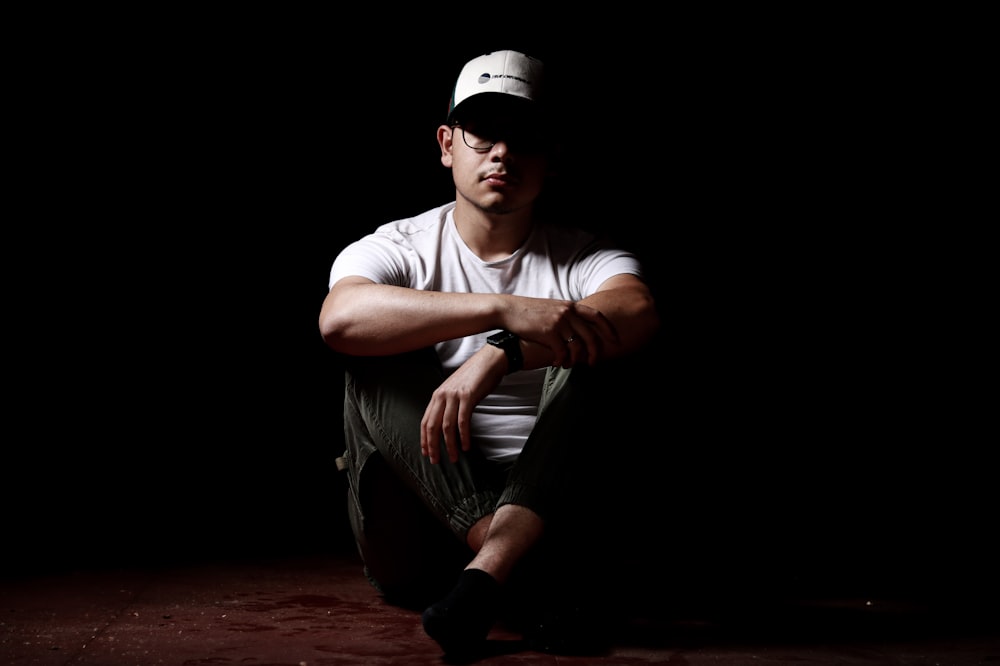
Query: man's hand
x: 449, y: 413
x: 572, y: 332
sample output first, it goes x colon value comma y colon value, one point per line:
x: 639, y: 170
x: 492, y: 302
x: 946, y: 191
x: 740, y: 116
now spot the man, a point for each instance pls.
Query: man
x: 480, y: 341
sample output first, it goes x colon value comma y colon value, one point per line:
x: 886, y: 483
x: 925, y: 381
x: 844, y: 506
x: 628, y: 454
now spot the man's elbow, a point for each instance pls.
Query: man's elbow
x: 647, y: 326
x: 332, y: 331
x: 335, y: 326
x: 645, y: 323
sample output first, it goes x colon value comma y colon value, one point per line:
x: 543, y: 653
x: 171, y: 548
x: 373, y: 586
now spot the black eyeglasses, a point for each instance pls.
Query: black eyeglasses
x: 482, y: 138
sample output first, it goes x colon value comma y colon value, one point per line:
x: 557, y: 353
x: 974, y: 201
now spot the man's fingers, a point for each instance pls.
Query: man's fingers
x: 596, y: 318
x: 430, y: 433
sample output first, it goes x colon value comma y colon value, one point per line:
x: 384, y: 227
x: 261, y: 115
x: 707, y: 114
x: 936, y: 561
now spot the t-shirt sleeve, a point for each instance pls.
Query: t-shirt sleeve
x: 599, y: 262
x: 375, y: 257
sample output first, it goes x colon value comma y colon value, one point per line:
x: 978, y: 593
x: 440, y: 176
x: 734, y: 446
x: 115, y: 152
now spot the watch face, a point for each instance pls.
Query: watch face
x: 499, y: 339
x: 511, y: 346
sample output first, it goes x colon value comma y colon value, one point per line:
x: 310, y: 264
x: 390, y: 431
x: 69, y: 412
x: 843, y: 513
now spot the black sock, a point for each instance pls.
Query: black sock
x: 461, y: 621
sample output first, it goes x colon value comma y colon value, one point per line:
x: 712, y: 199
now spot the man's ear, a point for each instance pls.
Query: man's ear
x: 445, y: 135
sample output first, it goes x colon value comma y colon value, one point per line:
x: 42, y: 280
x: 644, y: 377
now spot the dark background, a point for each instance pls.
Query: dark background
x: 816, y: 403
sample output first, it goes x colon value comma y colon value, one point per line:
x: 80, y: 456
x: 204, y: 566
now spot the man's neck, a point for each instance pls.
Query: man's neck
x: 492, y: 236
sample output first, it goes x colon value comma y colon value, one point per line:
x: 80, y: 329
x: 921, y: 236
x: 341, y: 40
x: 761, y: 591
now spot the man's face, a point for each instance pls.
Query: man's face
x: 498, y: 159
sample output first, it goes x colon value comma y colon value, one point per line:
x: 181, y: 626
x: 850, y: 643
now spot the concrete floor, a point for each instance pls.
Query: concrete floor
x: 320, y: 610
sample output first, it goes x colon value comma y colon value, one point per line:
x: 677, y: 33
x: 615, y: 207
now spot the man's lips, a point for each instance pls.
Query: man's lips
x: 499, y: 178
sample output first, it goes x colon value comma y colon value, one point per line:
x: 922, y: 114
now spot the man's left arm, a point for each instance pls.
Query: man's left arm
x: 628, y: 304
x: 625, y: 303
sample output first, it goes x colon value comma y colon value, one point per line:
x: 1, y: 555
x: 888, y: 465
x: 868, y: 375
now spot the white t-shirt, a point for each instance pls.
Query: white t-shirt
x: 426, y: 252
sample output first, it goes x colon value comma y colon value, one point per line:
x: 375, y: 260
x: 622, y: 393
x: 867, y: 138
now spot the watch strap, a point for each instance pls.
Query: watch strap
x: 511, y: 346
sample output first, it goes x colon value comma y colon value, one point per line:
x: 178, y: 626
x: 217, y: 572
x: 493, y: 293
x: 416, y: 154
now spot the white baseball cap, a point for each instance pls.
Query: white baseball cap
x: 499, y: 72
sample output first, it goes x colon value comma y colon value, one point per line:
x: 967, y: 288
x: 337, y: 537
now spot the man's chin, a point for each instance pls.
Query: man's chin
x: 501, y: 206
x: 496, y: 204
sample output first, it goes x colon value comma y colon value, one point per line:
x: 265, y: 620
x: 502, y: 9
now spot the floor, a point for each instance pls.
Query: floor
x: 319, y: 610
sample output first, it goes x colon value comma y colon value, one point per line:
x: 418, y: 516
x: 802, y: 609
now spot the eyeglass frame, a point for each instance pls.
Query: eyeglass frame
x: 465, y: 140
x: 482, y: 150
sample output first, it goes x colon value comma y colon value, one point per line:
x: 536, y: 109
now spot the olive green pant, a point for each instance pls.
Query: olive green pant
x: 410, y: 518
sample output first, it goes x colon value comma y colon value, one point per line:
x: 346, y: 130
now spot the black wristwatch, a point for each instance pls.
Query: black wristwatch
x: 511, y: 346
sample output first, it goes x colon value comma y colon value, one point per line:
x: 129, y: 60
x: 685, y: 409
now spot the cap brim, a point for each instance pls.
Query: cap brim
x: 493, y: 104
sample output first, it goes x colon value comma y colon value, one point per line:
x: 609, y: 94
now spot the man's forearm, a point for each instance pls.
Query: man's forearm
x: 632, y: 312
x: 379, y: 320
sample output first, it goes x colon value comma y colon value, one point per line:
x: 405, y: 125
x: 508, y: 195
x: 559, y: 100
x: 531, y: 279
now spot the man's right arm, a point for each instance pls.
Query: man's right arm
x: 362, y: 318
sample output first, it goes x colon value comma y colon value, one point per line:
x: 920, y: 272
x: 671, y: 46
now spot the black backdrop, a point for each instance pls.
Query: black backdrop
x: 808, y: 405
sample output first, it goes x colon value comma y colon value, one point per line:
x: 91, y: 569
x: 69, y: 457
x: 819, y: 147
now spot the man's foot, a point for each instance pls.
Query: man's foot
x: 461, y: 621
